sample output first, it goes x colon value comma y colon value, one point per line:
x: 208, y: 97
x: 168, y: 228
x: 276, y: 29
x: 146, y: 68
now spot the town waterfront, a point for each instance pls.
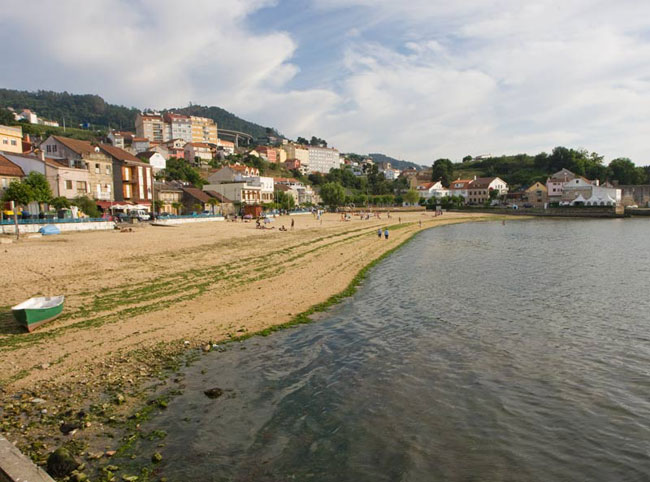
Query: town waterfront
x: 483, y: 351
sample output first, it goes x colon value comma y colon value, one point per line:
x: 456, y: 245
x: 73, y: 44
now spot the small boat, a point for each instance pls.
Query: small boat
x: 36, y: 311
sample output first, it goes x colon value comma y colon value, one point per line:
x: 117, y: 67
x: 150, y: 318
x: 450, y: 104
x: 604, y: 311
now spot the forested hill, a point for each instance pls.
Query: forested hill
x: 93, y: 110
x: 75, y: 109
x: 524, y: 169
x: 395, y: 163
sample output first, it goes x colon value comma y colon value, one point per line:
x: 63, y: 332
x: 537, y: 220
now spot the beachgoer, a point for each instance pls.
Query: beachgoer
x: 292, y: 222
x: 385, y: 233
x: 379, y: 233
x: 420, y: 223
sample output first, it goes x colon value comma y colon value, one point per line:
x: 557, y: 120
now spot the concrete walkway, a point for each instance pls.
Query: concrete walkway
x: 15, y: 467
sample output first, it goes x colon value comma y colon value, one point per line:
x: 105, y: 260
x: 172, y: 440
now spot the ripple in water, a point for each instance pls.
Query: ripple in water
x: 476, y: 352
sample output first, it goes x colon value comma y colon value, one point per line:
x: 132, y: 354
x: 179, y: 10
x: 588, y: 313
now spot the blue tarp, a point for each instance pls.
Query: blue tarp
x: 49, y: 229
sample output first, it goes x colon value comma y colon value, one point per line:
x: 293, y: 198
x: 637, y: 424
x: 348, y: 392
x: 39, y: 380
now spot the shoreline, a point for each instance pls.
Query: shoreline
x: 108, y: 401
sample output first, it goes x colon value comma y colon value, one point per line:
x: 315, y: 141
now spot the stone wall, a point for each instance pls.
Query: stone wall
x: 63, y: 227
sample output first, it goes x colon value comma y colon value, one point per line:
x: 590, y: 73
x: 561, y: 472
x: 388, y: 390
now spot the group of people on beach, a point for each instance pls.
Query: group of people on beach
x: 385, y: 233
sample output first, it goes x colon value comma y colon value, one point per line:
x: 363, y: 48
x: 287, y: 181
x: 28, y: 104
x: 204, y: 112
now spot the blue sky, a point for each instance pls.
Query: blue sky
x: 416, y: 80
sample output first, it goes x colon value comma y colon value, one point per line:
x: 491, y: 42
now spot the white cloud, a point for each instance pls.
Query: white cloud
x: 420, y: 80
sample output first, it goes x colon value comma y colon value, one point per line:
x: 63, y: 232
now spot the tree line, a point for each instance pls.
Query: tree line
x: 522, y: 170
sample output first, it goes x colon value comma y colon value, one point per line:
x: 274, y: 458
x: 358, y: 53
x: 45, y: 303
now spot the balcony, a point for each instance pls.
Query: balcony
x: 103, y: 196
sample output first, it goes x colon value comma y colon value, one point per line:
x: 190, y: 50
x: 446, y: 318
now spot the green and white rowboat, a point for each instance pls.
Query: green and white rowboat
x: 36, y: 311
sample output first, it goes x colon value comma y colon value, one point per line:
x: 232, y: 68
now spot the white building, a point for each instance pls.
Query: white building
x: 240, y: 192
x: 180, y: 126
x: 323, y: 159
x: 432, y: 189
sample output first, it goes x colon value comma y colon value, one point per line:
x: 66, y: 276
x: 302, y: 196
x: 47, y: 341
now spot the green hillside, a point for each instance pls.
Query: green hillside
x: 96, y: 113
x: 396, y: 163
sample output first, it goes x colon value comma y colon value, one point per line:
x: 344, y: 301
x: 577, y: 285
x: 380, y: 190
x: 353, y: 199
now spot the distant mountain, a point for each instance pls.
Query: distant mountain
x: 397, y: 164
x: 93, y: 110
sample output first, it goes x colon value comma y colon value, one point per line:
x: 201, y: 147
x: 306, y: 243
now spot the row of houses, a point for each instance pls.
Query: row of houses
x: 475, y: 191
x: 114, y: 176
x: 74, y: 168
x: 569, y: 189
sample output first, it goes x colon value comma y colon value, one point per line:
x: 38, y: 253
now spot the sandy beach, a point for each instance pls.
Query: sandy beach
x: 132, y: 298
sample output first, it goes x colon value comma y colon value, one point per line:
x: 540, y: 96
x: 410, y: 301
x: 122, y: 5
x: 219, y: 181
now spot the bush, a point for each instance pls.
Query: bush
x: 88, y: 206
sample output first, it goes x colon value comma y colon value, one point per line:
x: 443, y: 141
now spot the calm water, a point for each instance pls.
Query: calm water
x: 478, y: 352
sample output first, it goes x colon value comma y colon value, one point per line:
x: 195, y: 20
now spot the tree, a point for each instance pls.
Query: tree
x: 333, y: 194
x: 625, y: 172
x: 284, y: 200
x: 59, y: 203
x: 18, y: 192
x: 411, y: 196
x: 467, y: 158
x: 303, y: 141
x: 41, y: 191
x: 6, y: 117
x: 213, y: 203
x: 442, y: 170
x: 178, y: 207
x: 317, y: 142
x: 87, y: 206
x: 181, y: 170
x: 197, y: 207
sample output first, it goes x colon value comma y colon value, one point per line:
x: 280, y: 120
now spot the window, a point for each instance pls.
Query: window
x: 97, y: 169
x: 81, y: 186
x: 108, y: 168
x: 4, y: 182
x: 5, y: 141
x: 13, y: 142
x: 68, y: 184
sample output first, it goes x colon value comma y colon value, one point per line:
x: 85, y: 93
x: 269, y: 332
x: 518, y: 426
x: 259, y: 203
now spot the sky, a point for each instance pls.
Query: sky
x: 415, y: 80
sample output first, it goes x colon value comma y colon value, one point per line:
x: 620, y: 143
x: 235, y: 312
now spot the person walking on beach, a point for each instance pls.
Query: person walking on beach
x: 385, y: 233
x: 293, y: 221
x: 379, y: 233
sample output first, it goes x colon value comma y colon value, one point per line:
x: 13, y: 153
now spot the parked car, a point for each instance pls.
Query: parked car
x: 141, y: 215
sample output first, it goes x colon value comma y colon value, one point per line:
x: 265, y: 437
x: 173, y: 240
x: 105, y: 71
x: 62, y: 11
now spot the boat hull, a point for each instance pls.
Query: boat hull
x: 32, y: 318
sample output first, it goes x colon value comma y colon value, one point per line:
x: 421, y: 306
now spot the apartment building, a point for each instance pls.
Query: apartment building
x: 132, y: 178
x: 323, y: 159
x: 297, y: 152
x: 180, y: 126
x: 204, y: 130
x: 11, y: 139
x: 152, y: 127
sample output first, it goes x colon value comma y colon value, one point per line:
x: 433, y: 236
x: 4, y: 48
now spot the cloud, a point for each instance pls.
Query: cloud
x: 420, y: 80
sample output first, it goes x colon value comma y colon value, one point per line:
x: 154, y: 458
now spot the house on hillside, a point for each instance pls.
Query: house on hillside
x: 11, y: 139
x: 154, y: 159
x: 199, y: 154
x: 83, y: 155
x: 232, y: 173
x: 9, y: 172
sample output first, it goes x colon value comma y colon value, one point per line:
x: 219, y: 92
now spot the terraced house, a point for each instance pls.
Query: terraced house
x: 133, y: 178
x: 78, y: 154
